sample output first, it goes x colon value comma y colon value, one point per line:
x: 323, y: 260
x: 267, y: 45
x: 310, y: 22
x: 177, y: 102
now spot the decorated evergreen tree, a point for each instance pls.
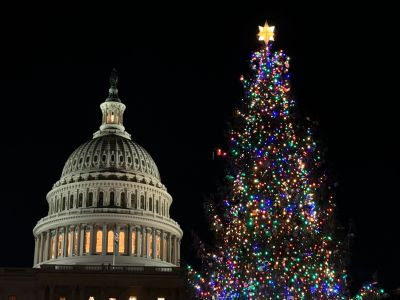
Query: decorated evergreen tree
x: 273, y: 227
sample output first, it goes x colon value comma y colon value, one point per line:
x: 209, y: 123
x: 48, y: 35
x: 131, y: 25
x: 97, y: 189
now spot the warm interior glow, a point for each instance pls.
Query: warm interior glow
x: 121, y: 245
x: 99, y: 241
x: 91, y: 298
x: 110, y: 241
x: 134, y: 242
x: 160, y: 298
x: 60, y: 244
x: 132, y: 298
x: 150, y: 246
x: 75, y: 252
x: 158, y: 246
x: 87, y: 241
x: 165, y: 248
x: 70, y: 237
x: 53, y: 246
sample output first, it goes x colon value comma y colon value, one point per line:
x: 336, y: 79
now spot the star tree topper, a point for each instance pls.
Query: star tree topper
x: 266, y: 33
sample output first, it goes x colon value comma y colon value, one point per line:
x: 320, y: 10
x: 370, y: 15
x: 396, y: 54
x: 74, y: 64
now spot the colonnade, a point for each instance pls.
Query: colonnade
x: 107, y: 239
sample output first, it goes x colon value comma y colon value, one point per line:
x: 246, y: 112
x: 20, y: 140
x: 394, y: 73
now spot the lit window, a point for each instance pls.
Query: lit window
x: 112, y: 298
x: 87, y: 241
x: 158, y: 246
x: 75, y: 243
x: 150, y: 246
x: 132, y: 298
x: 112, y: 117
x: 121, y: 242
x: 91, y: 298
x: 53, y: 246
x: 62, y: 298
x: 165, y: 248
x: 13, y: 297
x: 160, y: 298
x: 110, y: 241
x: 99, y: 241
x: 70, y: 237
x: 134, y: 242
x: 60, y: 244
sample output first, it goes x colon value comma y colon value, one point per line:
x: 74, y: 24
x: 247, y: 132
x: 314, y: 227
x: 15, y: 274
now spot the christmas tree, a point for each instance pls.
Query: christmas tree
x: 273, y: 227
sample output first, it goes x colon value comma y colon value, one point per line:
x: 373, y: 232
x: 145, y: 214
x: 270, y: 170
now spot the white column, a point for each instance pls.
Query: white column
x: 65, y: 250
x: 144, y: 234
x: 47, y: 245
x: 162, y: 245
x: 138, y: 245
x: 92, y: 240
x: 116, y: 245
x: 56, y: 243
x: 154, y: 245
x: 72, y: 237
x: 130, y: 240
x: 179, y: 252
x: 35, y: 256
x: 169, y: 248
x: 81, y: 238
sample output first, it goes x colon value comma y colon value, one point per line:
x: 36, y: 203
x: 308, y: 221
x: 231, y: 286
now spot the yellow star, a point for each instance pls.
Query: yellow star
x: 266, y: 33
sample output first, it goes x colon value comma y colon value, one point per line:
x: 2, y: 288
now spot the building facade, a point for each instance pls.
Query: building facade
x: 108, y: 233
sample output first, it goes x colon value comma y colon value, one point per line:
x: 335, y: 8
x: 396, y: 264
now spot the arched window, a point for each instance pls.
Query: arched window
x: 150, y: 204
x: 123, y: 200
x: 101, y: 199
x: 112, y: 202
x: 133, y: 201
x: 87, y: 242
x: 142, y: 203
x: 110, y: 241
x: 90, y: 200
x: 71, y: 201
x: 99, y: 241
x: 121, y: 242
x: 80, y: 200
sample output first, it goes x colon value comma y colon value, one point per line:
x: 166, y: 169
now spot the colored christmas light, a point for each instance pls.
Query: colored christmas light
x: 274, y: 236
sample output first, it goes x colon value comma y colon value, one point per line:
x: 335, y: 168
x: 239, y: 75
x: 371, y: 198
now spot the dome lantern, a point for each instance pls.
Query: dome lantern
x: 113, y: 111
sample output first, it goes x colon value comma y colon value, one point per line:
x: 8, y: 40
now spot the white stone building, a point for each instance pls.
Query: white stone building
x: 109, y: 205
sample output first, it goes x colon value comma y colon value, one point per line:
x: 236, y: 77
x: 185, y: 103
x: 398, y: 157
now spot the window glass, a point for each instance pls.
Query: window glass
x: 134, y: 242
x: 99, y: 241
x: 121, y: 242
x: 87, y: 241
x: 110, y: 241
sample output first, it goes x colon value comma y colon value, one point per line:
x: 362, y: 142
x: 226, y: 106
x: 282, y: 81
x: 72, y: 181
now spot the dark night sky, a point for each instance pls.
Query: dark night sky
x: 179, y: 77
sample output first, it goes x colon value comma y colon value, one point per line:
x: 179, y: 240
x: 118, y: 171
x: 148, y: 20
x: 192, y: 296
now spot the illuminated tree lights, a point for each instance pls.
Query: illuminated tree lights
x: 274, y: 235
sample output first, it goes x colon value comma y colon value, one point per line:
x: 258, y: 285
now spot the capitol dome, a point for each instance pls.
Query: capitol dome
x: 109, y: 206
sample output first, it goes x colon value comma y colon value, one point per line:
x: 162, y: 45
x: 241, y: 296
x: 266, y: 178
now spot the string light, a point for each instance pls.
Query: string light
x: 273, y: 232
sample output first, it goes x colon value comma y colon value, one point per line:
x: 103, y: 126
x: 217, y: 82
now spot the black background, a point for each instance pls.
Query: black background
x: 179, y: 77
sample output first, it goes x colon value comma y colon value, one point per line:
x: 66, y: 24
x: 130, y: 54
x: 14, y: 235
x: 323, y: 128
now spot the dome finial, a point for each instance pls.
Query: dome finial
x: 113, y: 91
